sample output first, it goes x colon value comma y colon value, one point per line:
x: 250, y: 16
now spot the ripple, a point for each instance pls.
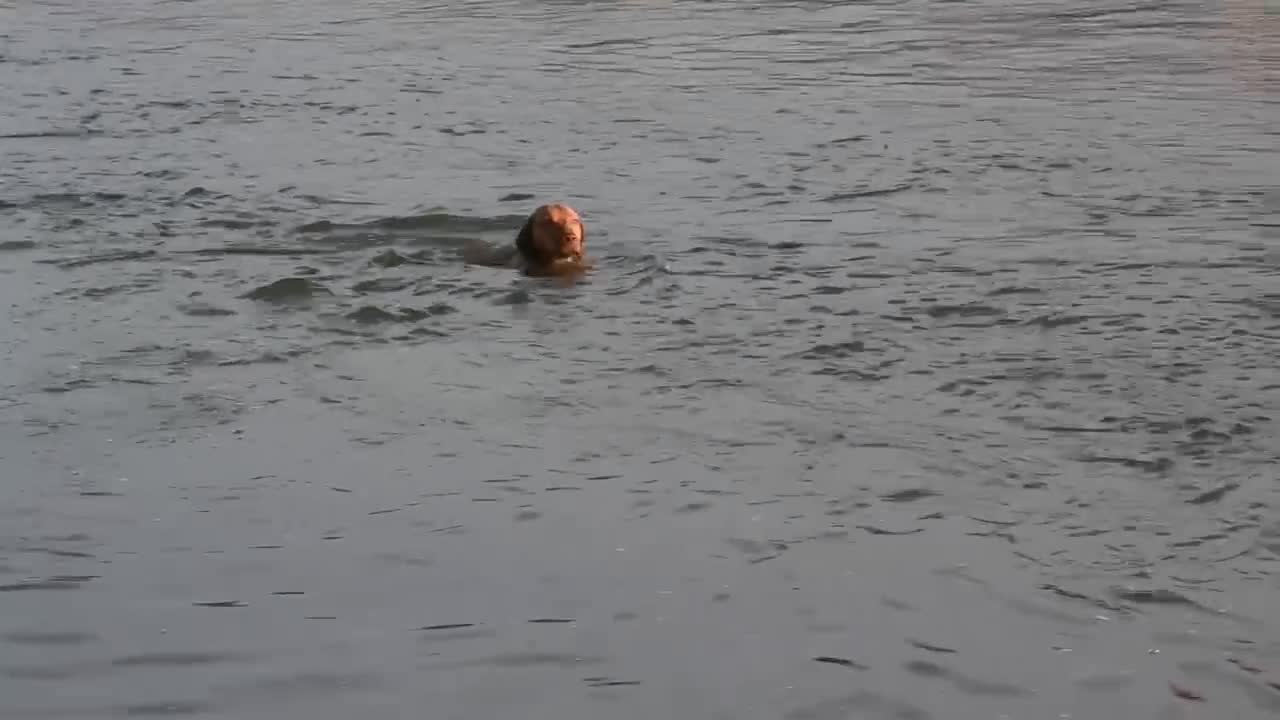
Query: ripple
x: 879, y: 288
x: 52, y: 638
x: 287, y: 290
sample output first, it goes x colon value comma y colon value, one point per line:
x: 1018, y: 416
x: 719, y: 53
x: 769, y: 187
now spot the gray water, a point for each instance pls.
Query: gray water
x: 928, y: 370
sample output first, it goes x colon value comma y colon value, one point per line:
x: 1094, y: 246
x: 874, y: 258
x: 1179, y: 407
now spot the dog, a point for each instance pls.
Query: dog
x: 551, y: 242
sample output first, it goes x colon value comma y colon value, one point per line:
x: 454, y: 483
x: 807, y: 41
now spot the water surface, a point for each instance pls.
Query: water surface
x: 929, y: 370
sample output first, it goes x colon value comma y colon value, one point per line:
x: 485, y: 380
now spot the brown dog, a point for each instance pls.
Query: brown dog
x: 552, y: 242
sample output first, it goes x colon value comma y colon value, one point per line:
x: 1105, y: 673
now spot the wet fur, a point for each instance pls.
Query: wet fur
x: 526, y: 254
x: 532, y: 255
x: 539, y: 263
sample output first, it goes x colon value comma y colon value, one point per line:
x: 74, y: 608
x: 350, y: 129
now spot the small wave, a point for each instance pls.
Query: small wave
x: 373, y: 315
x: 34, y: 134
x: 287, y: 290
x: 98, y: 259
x: 436, y: 221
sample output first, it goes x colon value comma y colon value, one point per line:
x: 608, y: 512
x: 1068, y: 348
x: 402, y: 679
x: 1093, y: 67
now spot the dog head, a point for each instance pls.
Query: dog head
x: 552, y: 233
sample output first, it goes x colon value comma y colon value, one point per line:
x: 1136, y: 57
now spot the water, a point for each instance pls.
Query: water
x: 928, y: 371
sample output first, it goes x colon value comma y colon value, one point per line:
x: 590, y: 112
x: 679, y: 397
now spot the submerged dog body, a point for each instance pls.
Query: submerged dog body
x: 551, y: 242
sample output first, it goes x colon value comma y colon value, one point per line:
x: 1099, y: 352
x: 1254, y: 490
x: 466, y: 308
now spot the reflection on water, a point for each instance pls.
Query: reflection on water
x: 1251, y: 29
x: 927, y: 370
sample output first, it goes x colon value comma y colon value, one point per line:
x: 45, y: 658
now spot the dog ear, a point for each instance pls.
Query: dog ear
x: 524, y: 242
